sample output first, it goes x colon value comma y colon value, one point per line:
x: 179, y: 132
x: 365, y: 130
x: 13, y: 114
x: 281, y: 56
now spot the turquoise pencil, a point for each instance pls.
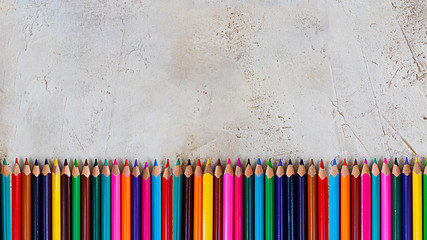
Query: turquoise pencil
x: 105, y: 202
x: 376, y: 210
x: 6, y: 217
x: 156, y: 203
x: 334, y: 202
x: 259, y: 201
x: 177, y: 201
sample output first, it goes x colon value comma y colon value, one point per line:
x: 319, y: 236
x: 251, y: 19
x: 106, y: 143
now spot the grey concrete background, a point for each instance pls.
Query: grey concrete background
x: 198, y: 79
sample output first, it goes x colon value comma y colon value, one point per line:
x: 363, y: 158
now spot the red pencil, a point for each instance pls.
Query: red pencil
x: 16, y: 202
x: 322, y: 206
x: 167, y: 203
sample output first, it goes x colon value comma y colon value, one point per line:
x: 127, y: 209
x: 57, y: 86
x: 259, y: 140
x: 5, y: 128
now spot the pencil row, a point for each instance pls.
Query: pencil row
x: 214, y: 203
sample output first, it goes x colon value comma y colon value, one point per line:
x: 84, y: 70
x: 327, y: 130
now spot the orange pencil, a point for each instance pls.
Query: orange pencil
x: 125, y: 195
x: 345, y: 202
x: 198, y: 202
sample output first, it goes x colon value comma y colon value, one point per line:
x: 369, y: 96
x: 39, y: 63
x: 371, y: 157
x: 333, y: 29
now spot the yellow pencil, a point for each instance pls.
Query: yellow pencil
x: 56, y: 201
x: 417, y: 201
x: 207, y: 217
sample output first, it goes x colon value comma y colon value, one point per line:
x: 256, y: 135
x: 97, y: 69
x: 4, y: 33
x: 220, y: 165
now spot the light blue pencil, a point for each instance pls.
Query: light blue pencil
x: 376, y: 212
x: 334, y: 202
x: 259, y: 201
x: 105, y: 202
x: 177, y: 201
x: 6, y: 216
x: 156, y: 203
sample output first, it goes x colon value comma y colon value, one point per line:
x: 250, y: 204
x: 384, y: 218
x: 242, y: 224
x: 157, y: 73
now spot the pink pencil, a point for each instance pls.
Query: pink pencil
x: 228, y: 185
x: 238, y: 202
x: 385, y: 202
x: 146, y: 204
x: 115, y: 202
x: 365, y: 203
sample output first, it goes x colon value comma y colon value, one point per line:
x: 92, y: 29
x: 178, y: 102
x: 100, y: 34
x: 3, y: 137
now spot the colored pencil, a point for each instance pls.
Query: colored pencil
x: 177, y: 201
x: 167, y: 203
x: 417, y: 201
x: 376, y: 210
x: 396, y: 202
x: 46, y: 197
x: 115, y: 201
x: 26, y: 202
x: 269, y: 202
x: 312, y: 202
x: 125, y: 203
x: 136, y: 202
x: 56, y: 201
x: 291, y: 202
x: 66, y: 202
x: 280, y: 203
x: 95, y: 200
x: 198, y: 202
x: 105, y: 202
x: 208, y: 190
x: 188, y: 190
x: 425, y: 203
x: 406, y: 202
x: 345, y: 202
x: 227, y: 222
x: 355, y: 202
x: 385, y: 202
x: 238, y: 202
x: 259, y: 201
x: 6, y: 229
x: 302, y: 201
x: 248, y: 190
x: 156, y: 201
x: 36, y: 233
x: 334, y: 202
x: 85, y: 202
x: 365, y: 202
x: 218, y: 184
x: 75, y: 202
x: 322, y: 206
x: 146, y: 203
x: 16, y: 202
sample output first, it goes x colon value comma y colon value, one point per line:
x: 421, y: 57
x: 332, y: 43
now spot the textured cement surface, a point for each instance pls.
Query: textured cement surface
x: 167, y: 79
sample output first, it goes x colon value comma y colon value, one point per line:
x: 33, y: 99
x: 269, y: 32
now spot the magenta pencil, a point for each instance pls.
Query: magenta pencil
x: 146, y: 204
x: 365, y: 203
x: 115, y: 202
x: 385, y: 202
x: 228, y: 185
x: 238, y: 202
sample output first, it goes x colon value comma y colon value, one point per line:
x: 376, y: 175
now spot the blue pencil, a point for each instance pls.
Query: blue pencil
x: 6, y: 226
x: 291, y: 201
x: 406, y: 202
x: 136, y: 202
x: 105, y: 202
x: 36, y: 203
x: 259, y: 201
x: 334, y: 202
x: 376, y: 210
x: 177, y: 201
x: 280, y: 203
x: 301, y: 192
x: 156, y: 203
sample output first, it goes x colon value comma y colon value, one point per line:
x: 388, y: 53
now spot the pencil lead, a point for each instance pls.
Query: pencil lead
x: 321, y: 164
x: 344, y: 163
x: 146, y: 165
x: 406, y: 161
x: 155, y: 162
x: 301, y: 162
x: 311, y: 162
x: 189, y: 162
x: 375, y: 160
x: 259, y: 162
x: 385, y: 161
x: 198, y: 163
x: 290, y: 162
x: 105, y: 162
x: 167, y: 163
x: 269, y: 163
x: 86, y: 163
x: 178, y: 162
x: 115, y: 161
x: 36, y: 163
x: 16, y: 161
x: 208, y: 162
x: 238, y: 163
x: 46, y: 162
x: 126, y: 163
x: 334, y: 162
x: 229, y: 161
x: 249, y: 162
x: 280, y: 163
x: 96, y: 162
x: 218, y: 163
x: 65, y: 162
x: 366, y: 161
x: 355, y: 162
x: 4, y: 162
x: 55, y: 162
x: 395, y: 161
x: 416, y: 160
x: 136, y: 163
x: 75, y: 163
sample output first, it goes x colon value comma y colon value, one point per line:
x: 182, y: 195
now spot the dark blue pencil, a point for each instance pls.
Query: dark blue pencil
x: 136, y: 202
x: 46, y: 182
x: 406, y: 202
x: 36, y: 203
x: 280, y: 203
x: 291, y: 198
x: 302, y: 202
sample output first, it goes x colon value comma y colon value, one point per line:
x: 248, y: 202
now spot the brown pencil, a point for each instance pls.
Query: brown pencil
x: 187, y: 224
x: 218, y: 201
x: 355, y: 202
x: 85, y: 202
x: 26, y: 201
x: 312, y: 201
x: 65, y: 202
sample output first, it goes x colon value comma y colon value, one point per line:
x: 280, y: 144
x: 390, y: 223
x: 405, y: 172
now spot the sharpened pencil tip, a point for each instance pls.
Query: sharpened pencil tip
x: 178, y: 162
x: 355, y: 162
x: 258, y: 162
x: 198, y: 163
x: 385, y: 161
x: 155, y: 162
x: 115, y: 161
x: 96, y: 162
x: 269, y: 163
x: 301, y: 162
x: 280, y: 162
x: 345, y: 162
x: 86, y: 163
x: 36, y: 163
x: 218, y: 163
x: 416, y: 160
x: 311, y: 162
x: 238, y: 163
x: 375, y: 160
x: 65, y: 162
x: 167, y: 163
x: 406, y: 161
x: 249, y: 162
x: 229, y: 161
x: 126, y: 162
x: 46, y: 162
x: 334, y: 162
x: 208, y: 162
x: 395, y: 161
x: 16, y: 161
x: 105, y: 162
x: 321, y: 164
x: 136, y: 163
x: 188, y: 162
x: 4, y: 162
x: 146, y: 165
x: 366, y: 161
x: 75, y: 163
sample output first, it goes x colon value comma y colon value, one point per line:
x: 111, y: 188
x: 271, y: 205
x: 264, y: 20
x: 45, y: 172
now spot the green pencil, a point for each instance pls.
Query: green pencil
x: 95, y: 187
x: 248, y: 205
x: 269, y: 202
x: 75, y: 202
x: 425, y: 203
x: 396, y: 202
